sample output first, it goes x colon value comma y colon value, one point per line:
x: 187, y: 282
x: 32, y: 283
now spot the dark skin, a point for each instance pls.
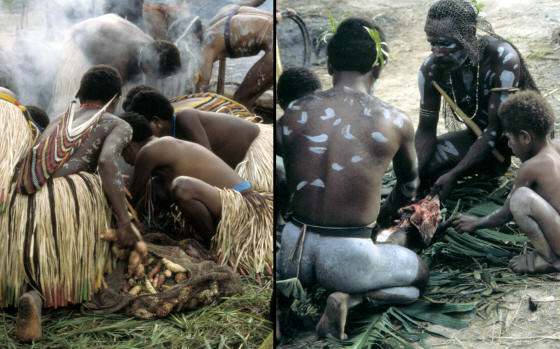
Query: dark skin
x: 111, y: 40
x: 213, y: 131
x: 539, y: 155
x: 250, y: 33
x: 323, y: 181
x: 461, y: 153
x: 187, y: 173
x: 101, y: 150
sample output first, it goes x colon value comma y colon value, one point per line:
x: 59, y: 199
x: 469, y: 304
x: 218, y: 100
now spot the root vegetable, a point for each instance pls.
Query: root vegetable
x: 109, y: 235
x: 135, y: 290
x: 180, y: 277
x: 167, y: 273
x: 149, y: 287
x: 118, y: 252
x: 176, y: 268
x: 133, y: 261
x: 140, y: 271
x: 155, y: 270
x: 142, y: 249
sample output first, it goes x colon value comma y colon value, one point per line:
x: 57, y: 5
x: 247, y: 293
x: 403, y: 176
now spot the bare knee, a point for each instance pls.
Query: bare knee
x: 520, y: 202
x: 422, y: 275
x: 182, y: 189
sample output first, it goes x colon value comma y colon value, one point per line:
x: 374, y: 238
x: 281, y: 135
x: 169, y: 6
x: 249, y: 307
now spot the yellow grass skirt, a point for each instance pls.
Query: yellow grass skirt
x: 51, y: 241
x: 244, y: 236
x: 257, y: 166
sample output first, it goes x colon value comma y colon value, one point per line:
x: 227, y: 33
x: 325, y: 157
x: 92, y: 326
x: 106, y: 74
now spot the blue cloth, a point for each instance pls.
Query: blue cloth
x: 245, y: 185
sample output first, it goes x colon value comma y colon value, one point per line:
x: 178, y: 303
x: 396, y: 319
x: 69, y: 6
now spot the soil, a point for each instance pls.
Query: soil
x: 530, y: 26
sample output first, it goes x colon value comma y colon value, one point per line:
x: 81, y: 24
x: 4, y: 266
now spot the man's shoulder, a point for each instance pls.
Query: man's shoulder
x: 500, y: 50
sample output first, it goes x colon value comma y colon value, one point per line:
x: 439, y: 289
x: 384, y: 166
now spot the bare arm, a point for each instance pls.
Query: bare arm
x: 146, y: 164
x: 406, y: 170
x: 426, y: 135
x: 501, y: 216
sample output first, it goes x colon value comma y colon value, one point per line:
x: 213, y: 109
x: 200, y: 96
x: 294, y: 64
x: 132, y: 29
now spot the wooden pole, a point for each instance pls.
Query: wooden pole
x: 221, y: 76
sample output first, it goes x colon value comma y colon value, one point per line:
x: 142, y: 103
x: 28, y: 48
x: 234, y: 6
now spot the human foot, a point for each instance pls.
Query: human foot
x: 531, y: 263
x: 28, y: 321
x: 333, y: 319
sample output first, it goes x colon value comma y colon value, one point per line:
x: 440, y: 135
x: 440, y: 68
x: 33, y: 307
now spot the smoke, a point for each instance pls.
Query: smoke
x: 32, y: 38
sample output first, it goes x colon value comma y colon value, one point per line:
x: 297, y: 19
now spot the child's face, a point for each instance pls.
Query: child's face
x: 519, y: 144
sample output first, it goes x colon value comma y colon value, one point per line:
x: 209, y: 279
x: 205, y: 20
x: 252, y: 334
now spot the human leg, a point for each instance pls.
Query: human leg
x: 28, y: 320
x: 256, y: 82
x: 540, y: 222
x: 384, y: 274
x: 450, y: 149
x: 199, y: 202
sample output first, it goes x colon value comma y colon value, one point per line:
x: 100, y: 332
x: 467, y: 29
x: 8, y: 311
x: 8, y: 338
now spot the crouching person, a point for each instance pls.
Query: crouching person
x: 230, y: 218
x: 336, y: 147
x: 534, y: 201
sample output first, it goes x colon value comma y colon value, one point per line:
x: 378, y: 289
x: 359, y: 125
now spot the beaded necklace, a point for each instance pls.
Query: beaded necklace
x: 477, y: 82
x: 91, y: 106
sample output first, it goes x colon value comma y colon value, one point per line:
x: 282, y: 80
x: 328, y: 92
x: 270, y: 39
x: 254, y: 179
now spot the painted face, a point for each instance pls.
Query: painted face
x: 449, y: 53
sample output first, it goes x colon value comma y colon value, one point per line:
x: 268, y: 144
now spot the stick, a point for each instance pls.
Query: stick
x: 471, y: 124
x: 221, y: 76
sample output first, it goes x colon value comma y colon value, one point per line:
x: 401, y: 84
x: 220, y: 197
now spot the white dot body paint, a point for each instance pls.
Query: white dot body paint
x: 409, y: 188
x: 350, y: 101
x: 493, y: 133
x: 337, y: 122
x: 507, y: 77
x: 318, y: 139
x: 303, y: 119
x: 378, y: 136
x: 500, y: 51
x: 337, y: 167
x: 286, y: 131
x: 318, y: 183
x: 492, y: 106
x: 508, y: 57
x: 329, y: 113
x: 301, y: 185
x: 515, y: 66
x: 356, y: 158
x: 348, y: 89
x: 504, y: 96
x: 367, y: 112
x: 421, y: 82
x: 448, y: 147
x: 346, y: 132
x: 398, y: 121
x: 426, y: 61
x: 293, y: 106
x: 318, y: 150
x: 491, y: 144
x: 387, y: 114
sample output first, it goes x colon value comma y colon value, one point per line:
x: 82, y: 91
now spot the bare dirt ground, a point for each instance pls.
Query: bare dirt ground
x: 527, y: 24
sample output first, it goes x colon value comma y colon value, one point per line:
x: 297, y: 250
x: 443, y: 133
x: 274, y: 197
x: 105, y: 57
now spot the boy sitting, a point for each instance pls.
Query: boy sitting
x: 534, y: 201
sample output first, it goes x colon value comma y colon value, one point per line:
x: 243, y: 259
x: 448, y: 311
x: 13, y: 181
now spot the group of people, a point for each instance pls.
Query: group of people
x: 214, y: 168
x: 336, y: 145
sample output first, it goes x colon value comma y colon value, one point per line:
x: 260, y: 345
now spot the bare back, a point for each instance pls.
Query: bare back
x: 530, y: 174
x: 337, y: 145
x: 169, y: 157
x: 112, y: 40
x: 228, y: 136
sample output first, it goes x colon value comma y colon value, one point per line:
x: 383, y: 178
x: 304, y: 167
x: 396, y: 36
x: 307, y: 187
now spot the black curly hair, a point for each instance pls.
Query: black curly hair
x: 141, y: 130
x: 101, y: 82
x: 352, y: 48
x: 294, y: 83
x: 162, y: 56
x: 152, y: 104
x: 526, y: 110
x: 39, y: 116
x: 133, y: 92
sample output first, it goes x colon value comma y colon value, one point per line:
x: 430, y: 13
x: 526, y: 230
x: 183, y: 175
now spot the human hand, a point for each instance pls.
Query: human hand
x: 443, y: 185
x: 465, y: 223
x: 126, y: 236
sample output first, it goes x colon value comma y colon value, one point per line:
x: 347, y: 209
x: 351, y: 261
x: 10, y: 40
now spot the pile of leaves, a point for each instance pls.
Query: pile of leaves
x: 468, y: 276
